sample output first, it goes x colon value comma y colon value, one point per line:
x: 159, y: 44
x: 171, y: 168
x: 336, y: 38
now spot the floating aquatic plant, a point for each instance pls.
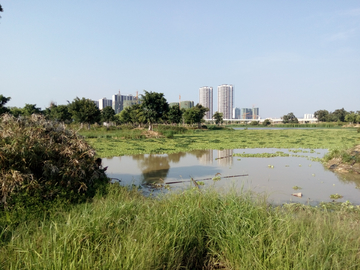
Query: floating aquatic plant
x: 335, y: 196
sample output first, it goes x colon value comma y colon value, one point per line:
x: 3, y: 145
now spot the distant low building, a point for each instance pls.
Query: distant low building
x: 186, y: 104
x: 308, y: 116
x: 172, y: 104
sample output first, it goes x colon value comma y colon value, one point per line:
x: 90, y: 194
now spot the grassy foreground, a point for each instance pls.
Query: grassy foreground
x: 130, y: 142
x: 189, y: 230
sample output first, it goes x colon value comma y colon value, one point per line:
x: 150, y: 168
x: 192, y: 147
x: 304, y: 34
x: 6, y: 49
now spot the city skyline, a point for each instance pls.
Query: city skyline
x: 283, y: 56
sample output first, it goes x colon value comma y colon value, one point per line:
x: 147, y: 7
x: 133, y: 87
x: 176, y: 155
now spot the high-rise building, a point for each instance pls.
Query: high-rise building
x: 206, y: 100
x: 104, y: 102
x: 226, y: 100
x: 236, y: 113
x: 118, y: 101
x: 255, y: 113
x: 246, y: 113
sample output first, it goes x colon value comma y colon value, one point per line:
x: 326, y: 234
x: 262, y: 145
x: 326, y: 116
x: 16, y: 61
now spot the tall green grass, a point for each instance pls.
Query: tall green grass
x: 188, y: 230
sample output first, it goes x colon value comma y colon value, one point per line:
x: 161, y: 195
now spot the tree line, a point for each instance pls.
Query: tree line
x: 151, y: 108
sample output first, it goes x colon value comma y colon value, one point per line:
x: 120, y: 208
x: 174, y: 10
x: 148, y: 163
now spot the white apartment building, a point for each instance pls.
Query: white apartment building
x: 104, y: 102
x: 206, y: 100
x: 226, y: 100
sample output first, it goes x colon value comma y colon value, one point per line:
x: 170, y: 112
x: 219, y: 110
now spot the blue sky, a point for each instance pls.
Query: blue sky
x: 281, y: 56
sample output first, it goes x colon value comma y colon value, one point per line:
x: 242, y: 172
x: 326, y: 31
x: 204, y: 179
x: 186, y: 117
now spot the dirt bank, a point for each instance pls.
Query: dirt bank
x: 346, y: 162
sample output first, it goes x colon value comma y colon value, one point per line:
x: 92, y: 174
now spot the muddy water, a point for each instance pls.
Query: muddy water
x: 274, y: 176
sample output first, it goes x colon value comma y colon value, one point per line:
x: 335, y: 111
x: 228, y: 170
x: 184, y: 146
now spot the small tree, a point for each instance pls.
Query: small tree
x: 322, y: 115
x: 218, y: 117
x: 154, y: 107
x: 195, y: 114
x: 175, y: 114
x: 59, y: 113
x: 30, y: 109
x: 84, y: 111
x: 290, y: 118
x: 351, y: 117
x: 15, y: 111
x: 266, y: 122
x: 124, y: 116
x: 107, y: 114
x: 3, y: 101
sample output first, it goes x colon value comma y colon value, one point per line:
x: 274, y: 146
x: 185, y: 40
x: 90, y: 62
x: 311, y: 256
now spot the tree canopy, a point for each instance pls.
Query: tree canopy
x: 30, y: 109
x: 195, y: 114
x: 175, y: 114
x: 3, y: 101
x: 154, y: 107
x: 107, y: 114
x: 218, y: 117
x: 290, y: 118
x: 59, y: 113
x: 84, y: 111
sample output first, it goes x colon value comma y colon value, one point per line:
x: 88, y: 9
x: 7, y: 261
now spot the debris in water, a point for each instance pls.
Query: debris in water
x: 297, y: 194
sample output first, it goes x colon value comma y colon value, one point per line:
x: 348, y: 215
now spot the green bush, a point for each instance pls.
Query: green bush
x: 254, y: 123
x: 42, y: 161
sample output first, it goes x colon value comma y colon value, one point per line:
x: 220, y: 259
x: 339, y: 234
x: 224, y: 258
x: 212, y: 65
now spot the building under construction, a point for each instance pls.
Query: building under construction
x: 183, y: 104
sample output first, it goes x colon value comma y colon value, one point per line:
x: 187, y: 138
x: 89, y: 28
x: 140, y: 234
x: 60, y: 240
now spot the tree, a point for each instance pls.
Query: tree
x: 107, y: 114
x: 154, y: 107
x: 84, y: 111
x: 290, y: 118
x: 322, y: 115
x: 3, y: 101
x: 195, y: 114
x: 266, y: 122
x: 339, y: 115
x: 218, y: 117
x: 15, y: 111
x: 30, y: 109
x: 59, y: 113
x: 175, y: 114
x: 124, y: 115
x: 351, y: 117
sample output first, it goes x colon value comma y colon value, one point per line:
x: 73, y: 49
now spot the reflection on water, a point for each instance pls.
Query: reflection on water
x: 275, y: 176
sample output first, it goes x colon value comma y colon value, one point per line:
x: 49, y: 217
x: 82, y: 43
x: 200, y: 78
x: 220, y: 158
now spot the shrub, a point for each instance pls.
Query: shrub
x: 266, y: 122
x: 41, y: 161
x: 254, y: 123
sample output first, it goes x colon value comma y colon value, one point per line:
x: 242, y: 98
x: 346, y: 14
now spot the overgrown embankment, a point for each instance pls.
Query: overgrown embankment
x: 189, y: 230
x: 344, y: 160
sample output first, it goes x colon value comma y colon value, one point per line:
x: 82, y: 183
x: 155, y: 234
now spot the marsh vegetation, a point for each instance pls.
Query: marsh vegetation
x: 193, y: 228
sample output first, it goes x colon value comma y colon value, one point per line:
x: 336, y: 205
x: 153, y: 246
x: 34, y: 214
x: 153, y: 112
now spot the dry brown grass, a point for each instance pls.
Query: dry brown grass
x: 44, y: 159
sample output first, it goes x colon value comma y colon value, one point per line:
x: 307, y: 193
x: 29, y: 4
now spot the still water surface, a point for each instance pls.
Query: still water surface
x: 275, y: 176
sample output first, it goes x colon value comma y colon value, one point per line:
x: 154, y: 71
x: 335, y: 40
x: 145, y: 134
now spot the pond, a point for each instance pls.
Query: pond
x: 277, y: 176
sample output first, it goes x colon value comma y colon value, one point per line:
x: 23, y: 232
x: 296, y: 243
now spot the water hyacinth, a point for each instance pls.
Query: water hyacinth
x: 44, y: 160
